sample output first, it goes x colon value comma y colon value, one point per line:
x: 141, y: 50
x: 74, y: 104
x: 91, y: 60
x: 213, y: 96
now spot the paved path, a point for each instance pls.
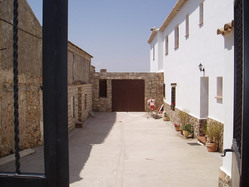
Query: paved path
x: 131, y: 150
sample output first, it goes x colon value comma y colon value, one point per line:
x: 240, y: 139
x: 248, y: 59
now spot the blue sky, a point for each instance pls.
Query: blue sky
x: 114, y: 32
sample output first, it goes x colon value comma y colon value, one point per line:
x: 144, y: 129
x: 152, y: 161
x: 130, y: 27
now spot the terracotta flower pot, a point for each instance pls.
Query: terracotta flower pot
x: 211, y: 147
x: 177, y: 128
x: 166, y: 118
x: 185, y: 133
x: 181, y: 131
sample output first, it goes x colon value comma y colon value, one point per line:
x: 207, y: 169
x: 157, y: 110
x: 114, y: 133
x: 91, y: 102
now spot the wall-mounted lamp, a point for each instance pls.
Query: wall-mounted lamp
x: 201, y: 68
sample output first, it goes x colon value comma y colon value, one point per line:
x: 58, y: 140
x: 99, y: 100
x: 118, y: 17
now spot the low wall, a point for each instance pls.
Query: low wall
x: 153, y: 88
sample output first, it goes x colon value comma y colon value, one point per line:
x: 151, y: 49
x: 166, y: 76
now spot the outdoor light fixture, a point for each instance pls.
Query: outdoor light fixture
x: 201, y: 68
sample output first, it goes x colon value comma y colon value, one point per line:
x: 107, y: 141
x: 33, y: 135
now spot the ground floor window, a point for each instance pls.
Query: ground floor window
x: 72, y: 107
x: 164, y: 91
x: 102, y: 88
x: 85, y: 101
x: 173, y: 96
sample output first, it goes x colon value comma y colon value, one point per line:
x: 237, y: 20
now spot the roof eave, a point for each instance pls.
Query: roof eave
x: 80, y: 49
x: 172, y: 14
x: 153, y: 34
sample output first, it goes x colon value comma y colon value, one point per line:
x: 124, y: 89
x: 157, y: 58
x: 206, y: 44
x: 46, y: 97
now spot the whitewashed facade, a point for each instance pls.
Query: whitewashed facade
x: 206, y: 94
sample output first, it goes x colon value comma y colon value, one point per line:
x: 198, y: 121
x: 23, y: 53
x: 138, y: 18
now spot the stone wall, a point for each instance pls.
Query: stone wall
x: 30, y: 79
x: 195, y: 122
x: 79, y: 103
x: 224, y: 179
x: 174, y: 118
x: 29, y: 112
x: 153, y: 88
x: 30, y: 71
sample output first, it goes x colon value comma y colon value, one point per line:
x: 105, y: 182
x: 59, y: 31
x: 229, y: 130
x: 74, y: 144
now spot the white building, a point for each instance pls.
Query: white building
x: 188, y: 37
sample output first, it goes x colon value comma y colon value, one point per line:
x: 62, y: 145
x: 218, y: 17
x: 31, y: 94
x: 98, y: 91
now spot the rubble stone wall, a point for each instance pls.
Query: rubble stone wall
x: 30, y: 79
x: 153, y: 88
x: 79, y: 103
x: 29, y: 75
x: 174, y: 118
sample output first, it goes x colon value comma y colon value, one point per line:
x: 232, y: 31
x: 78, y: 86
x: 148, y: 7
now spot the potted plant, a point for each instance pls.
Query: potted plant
x: 203, y: 133
x: 214, y: 130
x: 177, y: 127
x: 187, y: 130
x: 185, y: 125
x: 165, y: 116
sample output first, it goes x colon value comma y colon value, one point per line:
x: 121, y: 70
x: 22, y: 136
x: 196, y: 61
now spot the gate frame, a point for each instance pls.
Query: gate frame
x: 245, y: 111
x: 55, y: 110
x: 241, y: 148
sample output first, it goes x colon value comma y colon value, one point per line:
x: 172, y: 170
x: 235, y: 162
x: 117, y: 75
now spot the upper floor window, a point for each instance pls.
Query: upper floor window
x: 201, y: 8
x: 153, y: 51
x: 177, y: 37
x: 167, y: 45
x: 187, y: 26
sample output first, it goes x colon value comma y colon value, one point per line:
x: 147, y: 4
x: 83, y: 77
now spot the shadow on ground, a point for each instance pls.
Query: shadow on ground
x: 81, y: 141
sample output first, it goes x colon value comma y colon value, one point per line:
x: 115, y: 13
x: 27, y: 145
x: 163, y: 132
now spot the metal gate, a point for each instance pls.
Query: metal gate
x: 55, y: 24
x: 240, y: 146
x: 128, y: 95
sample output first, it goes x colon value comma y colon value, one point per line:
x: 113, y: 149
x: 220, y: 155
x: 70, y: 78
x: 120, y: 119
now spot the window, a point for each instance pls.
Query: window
x: 153, y: 51
x: 201, y: 14
x: 85, y: 101
x: 164, y: 91
x: 219, y: 89
x: 102, y: 88
x: 72, y: 107
x: 187, y: 26
x: 173, y: 96
x: 167, y: 45
x: 177, y: 37
x: 0, y: 112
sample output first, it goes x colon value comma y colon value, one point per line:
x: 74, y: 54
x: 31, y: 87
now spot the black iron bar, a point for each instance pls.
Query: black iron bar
x: 245, y: 124
x: 55, y: 109
x: 15, y: 72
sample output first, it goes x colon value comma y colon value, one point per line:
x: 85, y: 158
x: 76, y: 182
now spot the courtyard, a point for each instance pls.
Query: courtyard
x: 131, y: 149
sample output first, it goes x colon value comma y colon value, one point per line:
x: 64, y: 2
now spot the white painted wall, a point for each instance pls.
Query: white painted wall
x: 204, y: 46
x: 156, y: 65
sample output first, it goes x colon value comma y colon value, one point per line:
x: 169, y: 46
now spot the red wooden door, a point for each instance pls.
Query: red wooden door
x: 128, y: 95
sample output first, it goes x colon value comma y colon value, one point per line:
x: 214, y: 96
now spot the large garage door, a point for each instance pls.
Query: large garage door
x: 128, y: 95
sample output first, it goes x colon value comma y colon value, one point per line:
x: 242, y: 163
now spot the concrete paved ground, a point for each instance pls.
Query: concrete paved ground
x: 132, y: 150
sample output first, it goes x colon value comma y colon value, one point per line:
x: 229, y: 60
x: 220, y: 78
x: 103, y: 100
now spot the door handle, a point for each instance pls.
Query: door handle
x: 225, y: 152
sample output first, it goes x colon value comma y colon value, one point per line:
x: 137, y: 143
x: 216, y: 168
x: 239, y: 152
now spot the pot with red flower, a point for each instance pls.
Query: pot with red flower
x: 177, y: 127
